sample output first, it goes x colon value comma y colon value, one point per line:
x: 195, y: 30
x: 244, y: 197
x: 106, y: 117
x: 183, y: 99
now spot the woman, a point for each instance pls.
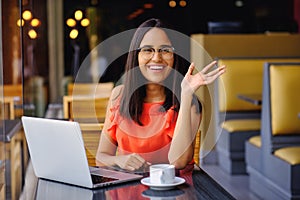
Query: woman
x: 154, y: 116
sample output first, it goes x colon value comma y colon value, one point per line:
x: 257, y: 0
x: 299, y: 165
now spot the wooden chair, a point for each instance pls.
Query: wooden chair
x: 9, y: 108
x: 17, y: 149
x: 2, y: 172
x: 236, y: 120
x: 87, y: 103
x: 14, y: 93
x: 197, y: 148
x: 94, y: 89
x: 12, y: 147
x: 11, y: 144
x: 273, y: 159
x: 91, y: 141
x: 89, y: 112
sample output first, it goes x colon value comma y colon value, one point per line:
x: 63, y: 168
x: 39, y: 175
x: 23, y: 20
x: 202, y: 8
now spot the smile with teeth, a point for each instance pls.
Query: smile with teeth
x: 156, y: 67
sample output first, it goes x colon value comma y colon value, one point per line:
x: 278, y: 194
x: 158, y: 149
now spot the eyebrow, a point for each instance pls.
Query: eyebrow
x: 164, y: 45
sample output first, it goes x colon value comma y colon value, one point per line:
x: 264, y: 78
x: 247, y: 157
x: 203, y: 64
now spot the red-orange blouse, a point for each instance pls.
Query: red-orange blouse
x: 152, y: 140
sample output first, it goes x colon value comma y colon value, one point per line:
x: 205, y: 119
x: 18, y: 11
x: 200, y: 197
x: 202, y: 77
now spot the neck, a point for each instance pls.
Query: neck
x: 155, y: 93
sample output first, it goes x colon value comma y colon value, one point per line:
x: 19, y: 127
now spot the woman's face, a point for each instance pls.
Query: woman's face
x: 156, y: 56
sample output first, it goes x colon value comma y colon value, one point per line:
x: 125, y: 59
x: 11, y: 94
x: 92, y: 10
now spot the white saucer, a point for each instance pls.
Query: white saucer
x: 177, y: 181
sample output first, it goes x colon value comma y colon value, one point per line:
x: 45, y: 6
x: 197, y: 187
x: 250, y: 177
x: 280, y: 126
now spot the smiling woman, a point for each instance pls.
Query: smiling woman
x: 153, y: 117
x: 155, y: 65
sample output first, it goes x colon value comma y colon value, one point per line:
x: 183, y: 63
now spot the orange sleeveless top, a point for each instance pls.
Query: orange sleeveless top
x: 152, y: 140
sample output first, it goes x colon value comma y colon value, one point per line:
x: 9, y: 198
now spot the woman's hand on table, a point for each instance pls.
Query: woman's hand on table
x: 131, y: 162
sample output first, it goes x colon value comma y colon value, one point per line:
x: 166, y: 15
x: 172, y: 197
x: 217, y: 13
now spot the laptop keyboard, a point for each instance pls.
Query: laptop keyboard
x: 101, y: 179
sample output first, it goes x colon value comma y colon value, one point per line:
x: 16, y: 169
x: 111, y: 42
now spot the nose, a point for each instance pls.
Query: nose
x: 156, y: 56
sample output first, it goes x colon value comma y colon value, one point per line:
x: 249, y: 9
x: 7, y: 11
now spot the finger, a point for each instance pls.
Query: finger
x: 136, y: 161
x: 191, y: 68
x: 216, y: 71
x: 211, y: 79
x: 130, y: 168
x: 146, y: 166
x: 141, y: 159
x: 207, y: 67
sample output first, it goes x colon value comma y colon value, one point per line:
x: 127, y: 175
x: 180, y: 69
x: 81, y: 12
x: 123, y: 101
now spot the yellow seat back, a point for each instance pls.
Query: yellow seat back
x: 285, y: 99
x: 243, y: 76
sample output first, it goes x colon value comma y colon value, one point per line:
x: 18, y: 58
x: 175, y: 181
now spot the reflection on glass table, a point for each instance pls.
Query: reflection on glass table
x: 198, y: 185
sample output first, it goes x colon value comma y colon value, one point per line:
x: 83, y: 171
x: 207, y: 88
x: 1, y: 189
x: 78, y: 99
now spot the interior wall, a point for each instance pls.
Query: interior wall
x: 12, y: 73
x: 297, y: 13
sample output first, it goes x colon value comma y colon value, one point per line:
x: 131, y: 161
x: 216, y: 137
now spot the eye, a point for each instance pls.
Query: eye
x: 167, y: 50
x: 147, y: 50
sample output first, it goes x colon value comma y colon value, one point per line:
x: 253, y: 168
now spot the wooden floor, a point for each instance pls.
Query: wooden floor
x: 236, y: 185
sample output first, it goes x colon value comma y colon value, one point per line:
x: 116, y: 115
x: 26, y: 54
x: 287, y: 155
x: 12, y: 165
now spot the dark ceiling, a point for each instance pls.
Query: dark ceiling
x: 256, y: 15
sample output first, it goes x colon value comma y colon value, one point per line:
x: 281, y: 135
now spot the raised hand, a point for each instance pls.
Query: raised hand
x: 192, y: 82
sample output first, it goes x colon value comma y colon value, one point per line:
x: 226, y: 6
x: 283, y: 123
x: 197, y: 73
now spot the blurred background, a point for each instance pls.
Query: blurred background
x: 45, y: 42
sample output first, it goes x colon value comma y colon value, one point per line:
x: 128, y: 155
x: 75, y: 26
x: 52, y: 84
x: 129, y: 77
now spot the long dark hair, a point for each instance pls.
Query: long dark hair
x: 134, y: 91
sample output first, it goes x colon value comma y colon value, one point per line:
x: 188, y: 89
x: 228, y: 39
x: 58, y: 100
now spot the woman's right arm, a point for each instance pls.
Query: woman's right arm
x: 106, y: 153
x: 107, y: 146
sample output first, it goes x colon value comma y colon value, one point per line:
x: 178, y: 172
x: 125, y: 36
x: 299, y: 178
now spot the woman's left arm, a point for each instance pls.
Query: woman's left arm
x: 188, y: 121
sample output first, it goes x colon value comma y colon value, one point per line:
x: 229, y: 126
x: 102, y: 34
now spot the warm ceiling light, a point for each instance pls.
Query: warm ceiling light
x: 85, y: 22
x: 27, y: 15
x: 20, y: 22
x: 78, y: 15
x: 172, y: 4
x: 182, y: 3
x: 71, y: 22
x: 35, y: 22
x: 239, y: 4
x: 139, y: 11
x: 32, y: 34
x: 131, y: 16
x: 148, y: 5
x: 73, y: 34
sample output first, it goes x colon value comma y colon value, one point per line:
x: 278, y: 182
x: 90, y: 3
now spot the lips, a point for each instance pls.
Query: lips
x: 156, y: 67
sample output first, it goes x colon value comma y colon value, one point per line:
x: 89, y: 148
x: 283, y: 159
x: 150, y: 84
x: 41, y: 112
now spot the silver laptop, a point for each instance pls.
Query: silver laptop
x: 57, y: 153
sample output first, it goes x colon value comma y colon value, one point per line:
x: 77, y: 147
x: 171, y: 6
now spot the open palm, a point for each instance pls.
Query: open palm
x: 192, y: 82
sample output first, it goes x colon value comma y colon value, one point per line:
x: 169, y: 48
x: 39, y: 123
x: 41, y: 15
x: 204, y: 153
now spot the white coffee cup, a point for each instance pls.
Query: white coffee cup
x: 162, y: 174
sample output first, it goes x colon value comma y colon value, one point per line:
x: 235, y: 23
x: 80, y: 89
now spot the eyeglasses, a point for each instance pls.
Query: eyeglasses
x: 166, y: 52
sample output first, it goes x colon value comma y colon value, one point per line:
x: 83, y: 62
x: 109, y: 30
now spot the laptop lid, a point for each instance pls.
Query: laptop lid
x: 57, y: 153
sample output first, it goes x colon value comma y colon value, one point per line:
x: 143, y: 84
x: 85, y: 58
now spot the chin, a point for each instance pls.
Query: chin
x: 155, y: 81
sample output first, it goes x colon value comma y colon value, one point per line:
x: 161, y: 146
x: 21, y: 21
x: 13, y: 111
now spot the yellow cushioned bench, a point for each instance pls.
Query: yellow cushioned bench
x: 289, y: 154
x: 284, y: 113
x: 255, y: 140
x: 273, y: 159
x: 241, y: 125
x: 238, y: 119
x: 243, y: 76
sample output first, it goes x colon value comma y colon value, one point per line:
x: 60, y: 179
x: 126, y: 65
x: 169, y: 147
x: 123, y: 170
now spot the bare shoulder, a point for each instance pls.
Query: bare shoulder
x: 116, y: 92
